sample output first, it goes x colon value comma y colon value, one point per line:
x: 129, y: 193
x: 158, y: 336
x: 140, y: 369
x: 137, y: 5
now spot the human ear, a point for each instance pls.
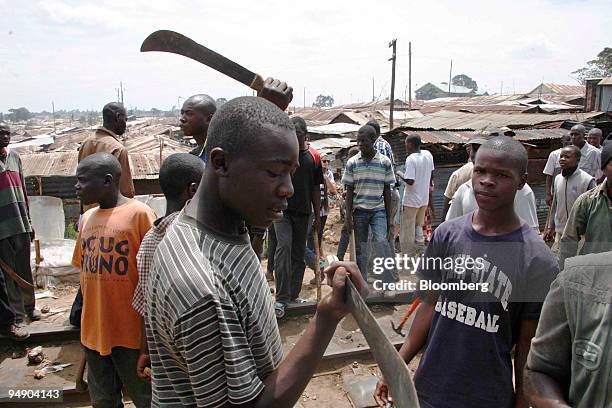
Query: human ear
x: 218, y: 160
x: 191, y: 190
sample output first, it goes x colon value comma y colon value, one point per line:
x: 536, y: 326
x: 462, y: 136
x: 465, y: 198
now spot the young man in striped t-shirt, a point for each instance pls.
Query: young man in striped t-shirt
x: 212, y: 333
x: 368, y: 178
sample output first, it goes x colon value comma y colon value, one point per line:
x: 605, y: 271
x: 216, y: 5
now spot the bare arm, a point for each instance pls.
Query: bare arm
x: 285, y: 385
x: 331, y: 186
x: 543, y: 391
x: 387, y: 199
x: 549, y: 190
x: 528, y: 330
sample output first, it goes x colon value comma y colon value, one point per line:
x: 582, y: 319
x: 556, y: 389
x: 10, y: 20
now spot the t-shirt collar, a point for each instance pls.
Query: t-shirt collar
x: 110, y: 132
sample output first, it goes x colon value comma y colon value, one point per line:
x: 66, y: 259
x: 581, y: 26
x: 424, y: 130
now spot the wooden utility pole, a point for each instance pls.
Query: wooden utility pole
x: 392, y: 59
x: 373, y: 98
x: 53, y: 109
x: 121, y: 87
x: 304, y: 97
x: 409, y: 75
x: 450, y: 79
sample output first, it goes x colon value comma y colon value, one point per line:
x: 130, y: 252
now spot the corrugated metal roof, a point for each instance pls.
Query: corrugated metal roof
x: 605, y: 81
x: 558, y: 89
x: 447, y: 120
x: 143, y: 165
x: 334, y: 129
x: 461, y: 137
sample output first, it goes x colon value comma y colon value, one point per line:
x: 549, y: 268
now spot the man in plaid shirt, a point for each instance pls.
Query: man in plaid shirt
x: 179, y: 178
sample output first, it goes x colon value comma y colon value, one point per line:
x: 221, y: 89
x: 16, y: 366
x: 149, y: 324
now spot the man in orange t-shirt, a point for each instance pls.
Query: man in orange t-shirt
x: 109, y: 239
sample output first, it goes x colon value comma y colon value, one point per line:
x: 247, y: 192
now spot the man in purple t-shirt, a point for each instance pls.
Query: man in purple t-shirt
x: 483, y: 279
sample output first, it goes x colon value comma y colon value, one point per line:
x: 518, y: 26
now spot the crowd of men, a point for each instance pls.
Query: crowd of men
x: 176, y: 310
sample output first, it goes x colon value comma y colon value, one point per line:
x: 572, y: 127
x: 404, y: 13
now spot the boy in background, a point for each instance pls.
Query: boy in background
x: 105, y: 252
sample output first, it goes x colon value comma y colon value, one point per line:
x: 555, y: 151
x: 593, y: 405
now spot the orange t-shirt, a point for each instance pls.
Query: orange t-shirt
x: 106, y: 255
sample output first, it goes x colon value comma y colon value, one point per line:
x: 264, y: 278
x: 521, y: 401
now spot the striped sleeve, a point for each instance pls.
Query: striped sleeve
x: 347, y: 177
x: 216, y: 350
x: 389, y: 176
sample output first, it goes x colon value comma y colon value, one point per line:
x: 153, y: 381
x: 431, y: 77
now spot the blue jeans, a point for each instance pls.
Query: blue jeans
x: 376, y: 221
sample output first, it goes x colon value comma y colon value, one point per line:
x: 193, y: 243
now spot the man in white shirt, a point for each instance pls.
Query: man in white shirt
x: 462, y: 174
x: 418, y: 174
x: 464, y: 202
x: 552, y: 167
x: 567, y: 187
x: 590, y: 157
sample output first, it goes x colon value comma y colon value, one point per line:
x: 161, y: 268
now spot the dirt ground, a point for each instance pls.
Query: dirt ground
x: 326, y: 389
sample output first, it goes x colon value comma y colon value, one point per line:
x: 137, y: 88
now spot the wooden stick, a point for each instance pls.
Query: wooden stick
x: 315, y: 236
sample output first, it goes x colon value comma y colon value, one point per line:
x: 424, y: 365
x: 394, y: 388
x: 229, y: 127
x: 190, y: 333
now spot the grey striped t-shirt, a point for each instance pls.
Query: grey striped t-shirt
x: 210, y: 322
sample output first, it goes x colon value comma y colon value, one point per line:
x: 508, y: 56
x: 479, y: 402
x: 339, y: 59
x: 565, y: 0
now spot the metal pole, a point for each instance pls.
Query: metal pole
x: 392, y: 59
x: 409, y: 75
x: 373, y: 98
x: 450, y: 76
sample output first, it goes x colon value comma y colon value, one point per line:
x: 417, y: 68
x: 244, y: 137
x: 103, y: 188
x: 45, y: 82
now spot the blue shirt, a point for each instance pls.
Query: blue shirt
x: 472, y: 332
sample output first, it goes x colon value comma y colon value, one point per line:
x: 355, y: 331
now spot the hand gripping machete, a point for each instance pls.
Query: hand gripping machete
x: 395, y: 370
x: 175, y: 43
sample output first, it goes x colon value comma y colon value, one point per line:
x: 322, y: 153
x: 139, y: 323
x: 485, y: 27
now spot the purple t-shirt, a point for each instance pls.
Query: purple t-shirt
x: 467, y: 361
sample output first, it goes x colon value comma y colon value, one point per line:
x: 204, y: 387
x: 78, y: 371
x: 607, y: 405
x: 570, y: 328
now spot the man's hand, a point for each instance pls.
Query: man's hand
x: 333, y: 306
x: 549, y: 235
x: 549, y: 199
x: 381, y: 394
x: 277, y: 92
x: 143, y: 367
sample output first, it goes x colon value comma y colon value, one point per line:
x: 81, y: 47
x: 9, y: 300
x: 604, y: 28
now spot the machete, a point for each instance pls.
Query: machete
x: 173, y: 42
x: 392, y: 366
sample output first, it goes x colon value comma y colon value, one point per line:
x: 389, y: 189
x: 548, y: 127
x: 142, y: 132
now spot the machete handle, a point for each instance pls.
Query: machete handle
x: 258, y: 83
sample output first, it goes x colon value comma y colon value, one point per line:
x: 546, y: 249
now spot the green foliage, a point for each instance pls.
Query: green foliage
x: 220, y: 102
x: 19, y: 114
x: 464, y: 80
x: 601, y: 67
x: 323, y: 101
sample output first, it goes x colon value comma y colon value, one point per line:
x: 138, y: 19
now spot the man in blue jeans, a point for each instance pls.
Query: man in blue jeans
x: 368, y: 178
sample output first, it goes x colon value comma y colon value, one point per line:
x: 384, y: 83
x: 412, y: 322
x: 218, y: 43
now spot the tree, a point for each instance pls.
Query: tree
x: 323, y: 101
x: 155, y: 112
x: 19, y: 114
x: 220, y: 101
x: 466, y: 81
x: 597, y: 68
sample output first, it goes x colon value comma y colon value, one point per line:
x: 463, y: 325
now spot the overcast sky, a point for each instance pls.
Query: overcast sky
x: 75, y: 53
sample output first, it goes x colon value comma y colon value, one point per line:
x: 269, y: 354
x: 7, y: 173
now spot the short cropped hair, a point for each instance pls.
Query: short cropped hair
x: 239, y: 123
x: 574, y: 150
x: 300, y: 123
x: 110, y: 110
x: 178, y: 172
x: 101, y: 164
x: 369, y: 131
x: 414, y: 139
x: 375, y: 125
x: 511, y: 148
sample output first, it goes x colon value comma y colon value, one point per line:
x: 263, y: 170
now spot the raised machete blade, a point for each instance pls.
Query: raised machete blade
x: 176, y: 43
